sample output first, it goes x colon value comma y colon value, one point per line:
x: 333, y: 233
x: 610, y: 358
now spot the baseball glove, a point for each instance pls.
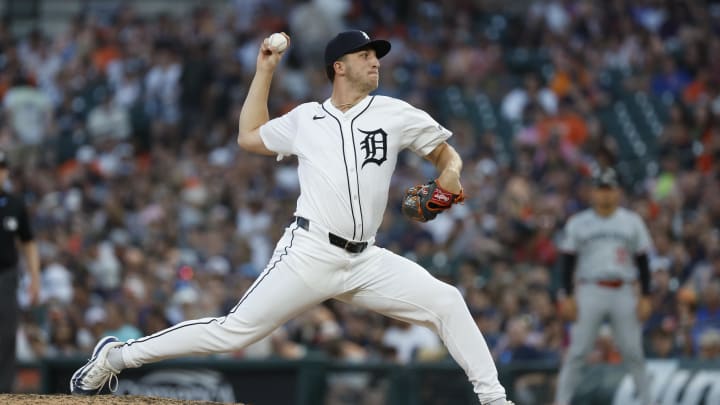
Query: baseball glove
x: 423, y: 202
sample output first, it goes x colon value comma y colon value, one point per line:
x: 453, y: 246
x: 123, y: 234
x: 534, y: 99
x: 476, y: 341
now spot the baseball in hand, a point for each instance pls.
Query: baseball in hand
x: 277, y: 42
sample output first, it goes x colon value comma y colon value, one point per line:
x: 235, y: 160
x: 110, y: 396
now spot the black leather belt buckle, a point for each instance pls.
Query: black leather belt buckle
x: 352, y: 247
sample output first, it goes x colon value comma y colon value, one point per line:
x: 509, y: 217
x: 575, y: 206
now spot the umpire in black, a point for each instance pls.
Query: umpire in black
x: 15, y: 236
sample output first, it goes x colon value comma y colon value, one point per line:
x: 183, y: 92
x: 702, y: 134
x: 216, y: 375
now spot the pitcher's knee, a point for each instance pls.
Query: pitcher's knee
x: 446, y: 301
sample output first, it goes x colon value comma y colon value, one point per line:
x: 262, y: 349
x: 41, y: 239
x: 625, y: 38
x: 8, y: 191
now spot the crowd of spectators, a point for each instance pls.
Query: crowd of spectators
x: 122, y: 131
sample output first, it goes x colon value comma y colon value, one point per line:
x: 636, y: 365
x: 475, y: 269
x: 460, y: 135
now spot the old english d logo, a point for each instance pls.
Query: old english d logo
x: 375, y: 146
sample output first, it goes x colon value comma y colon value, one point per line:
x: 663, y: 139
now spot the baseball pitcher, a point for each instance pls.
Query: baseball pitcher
x: 347, y: 147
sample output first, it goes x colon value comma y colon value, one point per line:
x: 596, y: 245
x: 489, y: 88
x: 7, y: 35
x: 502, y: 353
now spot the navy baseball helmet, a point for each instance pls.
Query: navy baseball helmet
x: 352, y: 41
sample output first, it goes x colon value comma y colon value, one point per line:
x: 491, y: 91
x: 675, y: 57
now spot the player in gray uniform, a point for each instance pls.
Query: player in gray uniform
x: 347, y: 147
x: 609, y: 246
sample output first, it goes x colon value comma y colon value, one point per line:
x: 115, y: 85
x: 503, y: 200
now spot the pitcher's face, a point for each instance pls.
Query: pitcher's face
x: 362, y: 70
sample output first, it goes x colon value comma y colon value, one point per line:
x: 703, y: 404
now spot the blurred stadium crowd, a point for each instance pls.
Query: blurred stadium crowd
x: 122, y: 130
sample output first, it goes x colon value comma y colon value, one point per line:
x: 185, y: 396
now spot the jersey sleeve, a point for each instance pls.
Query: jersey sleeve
x: 568, y: 243
x: 24, y: 230
x: 423, y: 134
x: 643, y: 243
x: 279, y: 133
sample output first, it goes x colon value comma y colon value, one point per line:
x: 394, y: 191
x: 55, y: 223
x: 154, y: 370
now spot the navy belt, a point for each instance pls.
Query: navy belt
x: 339, y: 241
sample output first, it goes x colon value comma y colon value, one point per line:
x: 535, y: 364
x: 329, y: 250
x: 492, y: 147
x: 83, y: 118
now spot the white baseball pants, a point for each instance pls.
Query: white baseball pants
x: 306, y: 270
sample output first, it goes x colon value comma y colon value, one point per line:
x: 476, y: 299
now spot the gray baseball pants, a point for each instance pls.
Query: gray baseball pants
x: 595, y: 305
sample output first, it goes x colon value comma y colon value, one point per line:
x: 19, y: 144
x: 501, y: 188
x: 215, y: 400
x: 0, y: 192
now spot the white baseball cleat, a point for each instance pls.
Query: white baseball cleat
x: 91, y: 378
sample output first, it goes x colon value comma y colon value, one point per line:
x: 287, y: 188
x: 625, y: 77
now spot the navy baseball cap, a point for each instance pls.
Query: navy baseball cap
x: 606, y: 178
x: 352, y: 41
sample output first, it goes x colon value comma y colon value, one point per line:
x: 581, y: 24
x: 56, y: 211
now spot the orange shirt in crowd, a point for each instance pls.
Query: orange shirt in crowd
x: 102, y: 57
x: 694, y: 90
x: 569, y: 126
x: 563, y: 82
x: 706, y: 160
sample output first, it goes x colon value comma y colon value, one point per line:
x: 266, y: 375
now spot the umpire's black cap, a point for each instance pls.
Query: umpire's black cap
x: 352, y: 41
x: 606, y: 177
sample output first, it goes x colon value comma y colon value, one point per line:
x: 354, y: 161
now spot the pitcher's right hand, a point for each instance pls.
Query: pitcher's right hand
x: 268, y: 58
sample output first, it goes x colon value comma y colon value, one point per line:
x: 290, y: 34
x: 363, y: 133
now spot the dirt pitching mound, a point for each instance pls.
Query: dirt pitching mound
x: 24, y: 399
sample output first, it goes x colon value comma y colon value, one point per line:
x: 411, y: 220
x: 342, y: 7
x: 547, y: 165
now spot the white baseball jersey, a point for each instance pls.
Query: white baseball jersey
x: 606, y: 246
x: 363, y: 143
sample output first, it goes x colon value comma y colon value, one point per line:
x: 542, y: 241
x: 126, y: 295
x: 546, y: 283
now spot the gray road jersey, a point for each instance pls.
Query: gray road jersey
x: 606, y: 246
